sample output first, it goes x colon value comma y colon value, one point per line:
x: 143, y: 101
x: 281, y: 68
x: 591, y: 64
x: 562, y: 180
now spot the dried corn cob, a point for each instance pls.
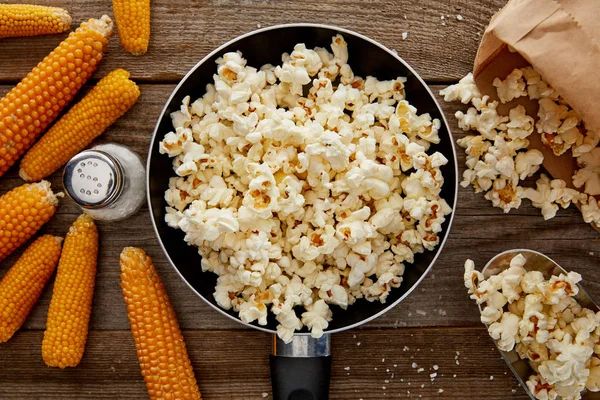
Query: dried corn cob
x: 107, y: 101
x: 29, y: 20
x: 23, y: 211
x: 23, y: 283
x: 160, y: 346
x: 28, y: 109
x: 133, y: 24
x: 71, y: 304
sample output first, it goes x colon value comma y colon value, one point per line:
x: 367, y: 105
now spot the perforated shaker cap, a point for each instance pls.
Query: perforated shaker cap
x: 93, y: 179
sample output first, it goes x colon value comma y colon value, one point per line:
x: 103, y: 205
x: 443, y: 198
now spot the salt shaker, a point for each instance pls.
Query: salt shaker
x: 107, y: 181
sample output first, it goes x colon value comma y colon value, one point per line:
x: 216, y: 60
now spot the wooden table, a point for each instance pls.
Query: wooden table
x: 437, y: 325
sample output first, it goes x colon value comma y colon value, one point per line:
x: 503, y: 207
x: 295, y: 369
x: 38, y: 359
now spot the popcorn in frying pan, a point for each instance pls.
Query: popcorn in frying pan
x: 173, y: 143
x: 262, y: 195
x: 317, y: 317
x: 543, y: 322
x: 288, y: 322
x: 301, y: 201
x: 253, y: 311
x: 593, y: 381
x: 182, y: 118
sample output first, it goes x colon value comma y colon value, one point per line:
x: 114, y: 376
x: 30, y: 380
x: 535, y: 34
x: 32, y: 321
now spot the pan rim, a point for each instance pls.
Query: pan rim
x: 343, y: 31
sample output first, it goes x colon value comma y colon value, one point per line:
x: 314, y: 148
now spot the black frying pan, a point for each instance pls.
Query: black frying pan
x: 299, y: 370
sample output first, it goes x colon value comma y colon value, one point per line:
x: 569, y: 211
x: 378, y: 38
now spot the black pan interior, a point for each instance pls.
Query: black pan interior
x: 366, y: 58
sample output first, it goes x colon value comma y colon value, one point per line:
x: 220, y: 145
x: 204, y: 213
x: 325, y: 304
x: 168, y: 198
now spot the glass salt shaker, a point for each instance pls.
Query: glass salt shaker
x: 107, y: 181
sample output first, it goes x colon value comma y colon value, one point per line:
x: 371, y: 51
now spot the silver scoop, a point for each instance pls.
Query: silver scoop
x: 535, y: 262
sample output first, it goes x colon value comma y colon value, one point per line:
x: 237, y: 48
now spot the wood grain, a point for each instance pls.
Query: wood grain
x: 185, y: 31
x: 368, y: 364
x: 434, y: 323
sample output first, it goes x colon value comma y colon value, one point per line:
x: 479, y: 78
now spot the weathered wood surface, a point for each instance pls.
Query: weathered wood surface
x: 235, y: 366
x: 185, y: 31
x: 231, y: 362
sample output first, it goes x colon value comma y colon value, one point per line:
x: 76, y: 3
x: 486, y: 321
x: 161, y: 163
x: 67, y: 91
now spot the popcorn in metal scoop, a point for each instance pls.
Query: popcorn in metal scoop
x: 545, y: 325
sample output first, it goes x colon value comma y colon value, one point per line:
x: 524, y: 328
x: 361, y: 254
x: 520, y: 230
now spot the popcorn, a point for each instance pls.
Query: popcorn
x: 528, y: 163
x: 549, y: 194
x: 304, y: 186
x: 504, y: 195
x: 537, y: 88
x: 173, y: 143
x: 541, y: 320
x: 482, y: 118
x: 505, y: 331
x: 317, y: 317
x: 512, y: 87
x: 588, y: 177
x: 590, y: 209
x: 465, y: 90
x: 520, y: 125
x: 498, y: 159
x: 182, y: 117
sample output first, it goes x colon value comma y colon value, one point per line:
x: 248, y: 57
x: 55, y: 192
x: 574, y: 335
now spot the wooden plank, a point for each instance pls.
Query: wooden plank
x: 441, y: 296
x: 234, y: 365
x: 183, y: 32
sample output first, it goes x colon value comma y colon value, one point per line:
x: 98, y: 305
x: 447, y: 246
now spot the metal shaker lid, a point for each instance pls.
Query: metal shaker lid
x: 93, y: 179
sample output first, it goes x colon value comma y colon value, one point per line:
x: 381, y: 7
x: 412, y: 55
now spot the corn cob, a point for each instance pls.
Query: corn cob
x: 28, y: 109
x: 160, y: 346
x: 71, y: 304
x: 133, y: 24
x: 23, y: 283
x: 107, y: 101
x: 29, y: 20
x: 23, y: 211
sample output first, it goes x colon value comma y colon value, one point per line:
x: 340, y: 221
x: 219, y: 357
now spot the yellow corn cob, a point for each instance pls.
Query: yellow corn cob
x: 29, y: 20
x: 71, y: 304
x: 23, y: 283
x: 23, y: 211
x: 28, y: 109
x: 107, y: 101
x: 133, y: 24
x: 161, y: 351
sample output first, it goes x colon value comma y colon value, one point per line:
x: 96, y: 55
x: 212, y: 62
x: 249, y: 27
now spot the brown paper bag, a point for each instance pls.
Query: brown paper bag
x: 561, y: 40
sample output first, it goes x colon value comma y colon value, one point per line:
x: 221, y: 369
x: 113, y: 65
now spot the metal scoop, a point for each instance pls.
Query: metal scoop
x: 535, y: 262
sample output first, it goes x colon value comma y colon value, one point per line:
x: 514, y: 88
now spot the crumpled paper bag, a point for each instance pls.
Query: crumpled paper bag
x: 561, y: 40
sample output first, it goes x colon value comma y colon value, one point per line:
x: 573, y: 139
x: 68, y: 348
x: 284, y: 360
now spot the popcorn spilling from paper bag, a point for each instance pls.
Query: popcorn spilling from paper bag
x: 533, y: 93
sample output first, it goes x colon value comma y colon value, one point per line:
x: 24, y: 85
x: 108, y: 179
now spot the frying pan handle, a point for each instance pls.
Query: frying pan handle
x: 301, y: 369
